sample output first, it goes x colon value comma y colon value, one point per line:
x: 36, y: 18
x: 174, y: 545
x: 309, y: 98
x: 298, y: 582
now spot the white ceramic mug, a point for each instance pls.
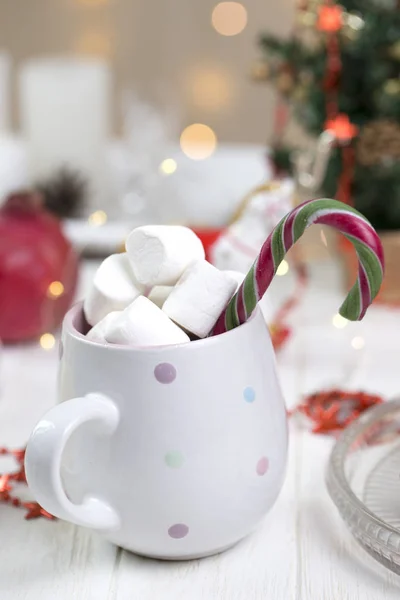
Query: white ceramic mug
x: 172, y: 452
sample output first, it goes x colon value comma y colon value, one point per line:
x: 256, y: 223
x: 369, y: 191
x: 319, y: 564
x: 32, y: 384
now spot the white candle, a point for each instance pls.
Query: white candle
x: 65, y: 116
x: 5, y: 76
x: 14, y: 169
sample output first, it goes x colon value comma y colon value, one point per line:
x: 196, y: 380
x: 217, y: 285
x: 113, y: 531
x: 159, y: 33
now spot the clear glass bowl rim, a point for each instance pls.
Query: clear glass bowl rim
x: 340, y: 490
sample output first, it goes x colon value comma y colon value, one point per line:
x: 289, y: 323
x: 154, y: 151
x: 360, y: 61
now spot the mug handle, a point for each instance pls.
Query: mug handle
x: 43, y: 460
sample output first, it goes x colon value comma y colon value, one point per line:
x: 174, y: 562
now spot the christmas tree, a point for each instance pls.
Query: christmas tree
x: 342, y: 67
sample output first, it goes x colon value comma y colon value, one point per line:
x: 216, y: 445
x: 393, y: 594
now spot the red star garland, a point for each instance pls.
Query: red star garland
x: 7, y: 482
x: 330, y: 412
x: 35, y: 511
x: 5, y: 488
x: 19, y: 456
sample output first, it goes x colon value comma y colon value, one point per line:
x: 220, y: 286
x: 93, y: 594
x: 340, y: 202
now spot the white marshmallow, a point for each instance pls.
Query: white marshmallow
x: 237, y: 276
x: 199, y: 297
x: 98, y: 332
x: 144, y: 324
x: 113, y: 288
x: 159, y: 254
x: 159, y: 294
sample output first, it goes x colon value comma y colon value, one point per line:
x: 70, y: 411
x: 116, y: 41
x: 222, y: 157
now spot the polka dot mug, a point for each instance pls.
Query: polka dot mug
x: 172, y: 452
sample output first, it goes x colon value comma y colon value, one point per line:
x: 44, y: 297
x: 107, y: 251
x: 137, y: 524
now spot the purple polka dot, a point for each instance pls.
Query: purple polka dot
x: 178, y: 531
x: 262, y: 465
x: 60, y: 350
x: 165, y: 373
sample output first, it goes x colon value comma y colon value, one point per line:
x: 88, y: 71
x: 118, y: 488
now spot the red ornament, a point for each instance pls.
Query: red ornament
x: 341, y: 127
x: 330, y: 18
x: 38, y: 269
x: 208, y: 237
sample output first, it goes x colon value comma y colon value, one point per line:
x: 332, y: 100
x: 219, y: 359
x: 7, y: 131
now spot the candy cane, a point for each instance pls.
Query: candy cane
x: 340, y: 216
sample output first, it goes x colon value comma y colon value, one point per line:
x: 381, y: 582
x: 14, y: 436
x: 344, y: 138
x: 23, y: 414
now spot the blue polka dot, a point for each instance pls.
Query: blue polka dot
x: 249, y: 394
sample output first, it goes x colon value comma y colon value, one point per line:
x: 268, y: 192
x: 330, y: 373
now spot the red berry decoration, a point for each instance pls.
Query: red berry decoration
x: 38, y: 269
x: 330, y: 18
x: 341, y: 127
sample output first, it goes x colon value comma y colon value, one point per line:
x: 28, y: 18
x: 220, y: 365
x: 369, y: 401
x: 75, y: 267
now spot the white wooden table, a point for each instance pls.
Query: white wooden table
x: 302, y: 551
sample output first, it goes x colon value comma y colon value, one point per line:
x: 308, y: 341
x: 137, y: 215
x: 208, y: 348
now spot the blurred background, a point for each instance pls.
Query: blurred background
x: 217, y: 115
x: 221, y: 116
x: 202, y: 65
x: 112, y: 89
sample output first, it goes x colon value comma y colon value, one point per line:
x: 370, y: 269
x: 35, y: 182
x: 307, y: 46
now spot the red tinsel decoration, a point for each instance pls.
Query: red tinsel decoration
x: 332, y: 411
x: 8, y: 481
x: 343, y: 192
x: 330, y: 20
x: 344, y: 131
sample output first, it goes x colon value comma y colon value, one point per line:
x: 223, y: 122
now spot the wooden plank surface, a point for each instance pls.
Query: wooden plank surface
x: 302, y: 551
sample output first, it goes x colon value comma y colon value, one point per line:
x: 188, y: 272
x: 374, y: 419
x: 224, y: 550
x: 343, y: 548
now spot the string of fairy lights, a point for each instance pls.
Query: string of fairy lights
x: 55, y: 290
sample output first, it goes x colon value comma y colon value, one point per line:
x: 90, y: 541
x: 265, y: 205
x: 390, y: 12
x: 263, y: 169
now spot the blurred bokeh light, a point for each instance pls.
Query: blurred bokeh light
x: 198, y: 141
x: 229, y: 18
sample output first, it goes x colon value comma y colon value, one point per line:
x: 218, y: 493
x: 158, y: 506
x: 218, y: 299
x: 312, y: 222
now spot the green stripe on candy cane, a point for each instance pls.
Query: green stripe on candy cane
x: 325, y: 211
x: 368, y: 258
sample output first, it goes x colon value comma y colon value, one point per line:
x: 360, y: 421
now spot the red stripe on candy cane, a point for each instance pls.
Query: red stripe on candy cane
x: 264, y: 268
x: 288, y: 232
x: 358, y: 228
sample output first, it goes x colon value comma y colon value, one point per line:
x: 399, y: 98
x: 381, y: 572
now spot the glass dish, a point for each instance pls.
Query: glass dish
x: 363, y: 481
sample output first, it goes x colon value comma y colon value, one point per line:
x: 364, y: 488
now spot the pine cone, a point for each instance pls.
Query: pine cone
x: 64, y: 193
x: 261, y: 71
x: 285, y: 83
x: 378, y: 143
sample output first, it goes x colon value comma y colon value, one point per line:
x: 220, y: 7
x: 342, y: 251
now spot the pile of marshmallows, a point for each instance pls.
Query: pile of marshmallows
x: 160, y: 291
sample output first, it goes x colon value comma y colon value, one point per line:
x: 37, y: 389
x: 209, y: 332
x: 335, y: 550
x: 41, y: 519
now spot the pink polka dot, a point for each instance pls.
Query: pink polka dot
x: 262, y: 465
x: 178, y: 531
x: 165, y: 373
